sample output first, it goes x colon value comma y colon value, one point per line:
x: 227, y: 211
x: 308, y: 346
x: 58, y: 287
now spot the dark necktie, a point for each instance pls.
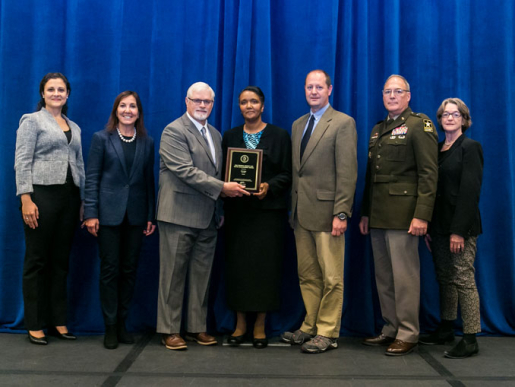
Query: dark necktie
x: 307, y: 135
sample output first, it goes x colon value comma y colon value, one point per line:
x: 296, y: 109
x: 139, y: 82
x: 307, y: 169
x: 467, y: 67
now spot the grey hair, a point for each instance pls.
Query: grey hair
x: 200, y: 86
x: 398, y: 76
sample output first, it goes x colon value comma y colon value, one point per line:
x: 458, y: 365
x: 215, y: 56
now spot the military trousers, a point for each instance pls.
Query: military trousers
x: 397, y: 271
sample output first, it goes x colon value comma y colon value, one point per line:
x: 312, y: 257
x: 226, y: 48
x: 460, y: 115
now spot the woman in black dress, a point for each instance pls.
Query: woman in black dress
x: 454, y: 229
x: 256, y: 224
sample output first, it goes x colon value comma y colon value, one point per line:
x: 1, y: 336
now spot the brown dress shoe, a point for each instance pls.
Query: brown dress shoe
x: 201, y: 338
x: 173, y: 341
x: 378, y: 341
x: 400, y: 348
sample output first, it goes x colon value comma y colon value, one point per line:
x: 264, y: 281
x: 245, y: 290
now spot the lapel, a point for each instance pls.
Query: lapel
x: 297, y: 139
x: 217, y: 144
x: 387, y: 128
x: 190, y: 126
x: 318, y: 133
x: 117, y: 145
x: 140, y: 148
x: 57, y: 129
x: 263, y: 141
x: 447, y: 154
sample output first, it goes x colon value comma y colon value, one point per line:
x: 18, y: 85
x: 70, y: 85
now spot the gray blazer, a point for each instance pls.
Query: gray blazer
x: 43, y: 153
x: 189, y: 180
x: 325, y: 179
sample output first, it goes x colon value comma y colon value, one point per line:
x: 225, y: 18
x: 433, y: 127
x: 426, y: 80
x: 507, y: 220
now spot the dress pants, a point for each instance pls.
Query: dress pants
x: 455, y: 275
x: 320, y: 259
x: 47, y: 255
x: 119, y: 248
x: 186, y: 257
x: 397, y: 269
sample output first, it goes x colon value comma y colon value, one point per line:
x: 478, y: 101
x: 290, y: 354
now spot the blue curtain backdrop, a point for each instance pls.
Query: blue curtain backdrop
x: 462, y: 48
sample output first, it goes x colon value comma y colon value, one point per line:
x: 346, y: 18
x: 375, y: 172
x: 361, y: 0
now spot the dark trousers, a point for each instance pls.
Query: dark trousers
x: 119, y: 247
x: 47, y: 255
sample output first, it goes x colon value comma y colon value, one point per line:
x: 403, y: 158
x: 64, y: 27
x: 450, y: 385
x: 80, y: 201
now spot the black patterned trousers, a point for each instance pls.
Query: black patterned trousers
x: 455, y: 275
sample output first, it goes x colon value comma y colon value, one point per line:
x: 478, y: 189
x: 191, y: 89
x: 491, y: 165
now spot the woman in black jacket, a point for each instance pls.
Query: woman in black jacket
x: 455, y: 227
x: 256, y: 224
x: 120, y: 207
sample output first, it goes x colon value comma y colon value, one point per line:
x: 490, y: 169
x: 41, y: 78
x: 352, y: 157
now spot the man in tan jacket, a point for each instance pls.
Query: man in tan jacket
x: 324, y: 180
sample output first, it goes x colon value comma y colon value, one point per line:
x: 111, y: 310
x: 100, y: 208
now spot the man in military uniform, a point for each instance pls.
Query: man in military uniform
x: 400, y: 188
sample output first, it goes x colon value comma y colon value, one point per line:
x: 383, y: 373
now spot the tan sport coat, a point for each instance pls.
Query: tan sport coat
x: 325, y: 179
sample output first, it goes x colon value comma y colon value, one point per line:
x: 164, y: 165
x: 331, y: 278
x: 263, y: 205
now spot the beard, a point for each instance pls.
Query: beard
x: 200, y: 116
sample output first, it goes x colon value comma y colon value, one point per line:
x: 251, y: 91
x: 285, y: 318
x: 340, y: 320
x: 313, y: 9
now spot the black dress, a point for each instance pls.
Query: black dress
x: 255, y: 229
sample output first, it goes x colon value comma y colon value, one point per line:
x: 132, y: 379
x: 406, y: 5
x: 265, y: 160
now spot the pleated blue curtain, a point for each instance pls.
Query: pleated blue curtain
x: 159, y: 48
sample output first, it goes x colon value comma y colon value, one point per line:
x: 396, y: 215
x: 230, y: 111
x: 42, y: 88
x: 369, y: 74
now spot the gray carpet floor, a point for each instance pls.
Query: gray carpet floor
x: 147, y: 363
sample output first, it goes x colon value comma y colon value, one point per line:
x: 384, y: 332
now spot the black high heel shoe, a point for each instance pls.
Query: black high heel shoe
x: 236, y: 340
x: 52, y: 331
x: 38, y: 340
x: 260, y: 343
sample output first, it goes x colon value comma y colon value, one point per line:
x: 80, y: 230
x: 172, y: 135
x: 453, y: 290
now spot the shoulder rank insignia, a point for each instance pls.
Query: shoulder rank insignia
x: 428, y: 126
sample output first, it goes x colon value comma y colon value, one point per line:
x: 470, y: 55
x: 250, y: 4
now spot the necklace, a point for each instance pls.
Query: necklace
x: 123, y: 138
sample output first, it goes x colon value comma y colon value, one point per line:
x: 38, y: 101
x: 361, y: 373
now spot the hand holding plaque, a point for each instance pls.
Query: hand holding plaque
x: 244, y: 167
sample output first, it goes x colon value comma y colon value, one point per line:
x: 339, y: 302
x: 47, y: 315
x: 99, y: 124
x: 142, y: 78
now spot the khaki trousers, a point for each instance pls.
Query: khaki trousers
x: 397, y: 268
x: 320, y: 259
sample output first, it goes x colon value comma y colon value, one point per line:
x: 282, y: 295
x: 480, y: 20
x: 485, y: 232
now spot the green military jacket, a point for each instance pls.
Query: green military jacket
x: 402, y: 172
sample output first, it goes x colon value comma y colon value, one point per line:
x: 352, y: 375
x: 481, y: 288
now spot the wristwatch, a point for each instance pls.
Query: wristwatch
x: 342, y: 216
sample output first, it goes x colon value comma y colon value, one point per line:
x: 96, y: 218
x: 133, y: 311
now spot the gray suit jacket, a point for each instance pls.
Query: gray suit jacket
x: 43, y: 153
x: 324, y: 180
x: 189, y: 180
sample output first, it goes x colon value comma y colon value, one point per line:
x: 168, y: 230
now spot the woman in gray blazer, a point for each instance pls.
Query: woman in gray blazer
x: 50, y: 183
x: 120, y: 207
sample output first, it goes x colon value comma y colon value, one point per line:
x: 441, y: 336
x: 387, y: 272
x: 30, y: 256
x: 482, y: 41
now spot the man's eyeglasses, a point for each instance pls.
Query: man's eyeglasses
x: 396, y: 91
x: 206, y: 102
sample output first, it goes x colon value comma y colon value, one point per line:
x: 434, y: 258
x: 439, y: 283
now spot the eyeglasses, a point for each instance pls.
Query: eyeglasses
x: 455, y: 115
x: 206, y: 102
x: 396, y: 91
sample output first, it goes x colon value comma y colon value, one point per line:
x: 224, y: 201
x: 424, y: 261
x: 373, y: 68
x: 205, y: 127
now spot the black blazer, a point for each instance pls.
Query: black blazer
x: 276, y: 145
x: 111, y: 190
x: 460, y: 172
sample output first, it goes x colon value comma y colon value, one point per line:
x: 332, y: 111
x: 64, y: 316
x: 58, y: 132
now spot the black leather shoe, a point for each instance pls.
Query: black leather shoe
x: 462, y: 350
x: 124, y: 337
x: 63, y: 336
x: 438, y: 337
x: 260, y: 343
x: 236, y: 340
x: 38, y: 340
x: 111, y: 337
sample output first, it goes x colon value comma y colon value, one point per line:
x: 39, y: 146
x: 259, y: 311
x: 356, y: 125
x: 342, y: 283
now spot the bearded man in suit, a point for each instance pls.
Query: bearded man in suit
x: 324, y: 180
x: 188, y: 215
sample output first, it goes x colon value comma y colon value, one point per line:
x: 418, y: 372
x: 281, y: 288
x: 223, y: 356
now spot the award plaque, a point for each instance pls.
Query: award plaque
x: 244, y: 167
